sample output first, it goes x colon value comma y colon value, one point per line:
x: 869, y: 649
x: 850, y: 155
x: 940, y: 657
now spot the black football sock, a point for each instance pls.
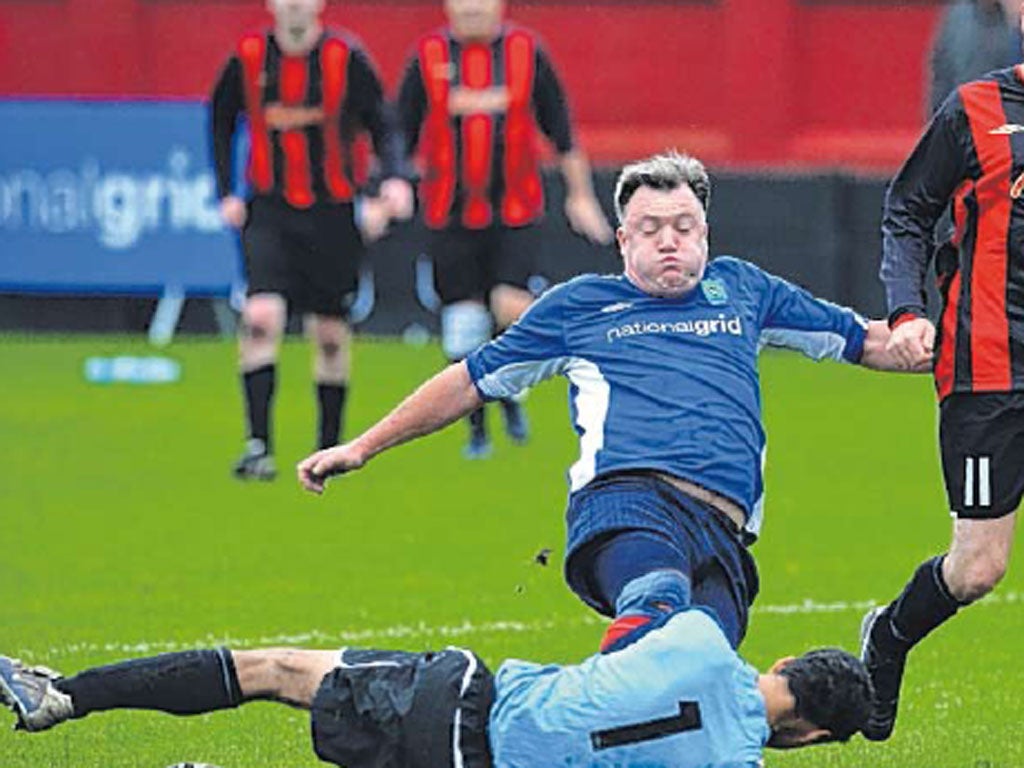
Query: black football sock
x: 477, y: 425
x: 259, y: 386
x: 331, y: 400
x: 924, y: 604
x: 184, y: 683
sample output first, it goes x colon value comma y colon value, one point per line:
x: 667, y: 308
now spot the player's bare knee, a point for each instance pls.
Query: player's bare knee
x: 973, y: 580
x: 255, y: 331
x: 331, y: 350
x: 263, y: 317
x: 332, y: 361
x: 508, y: 303
x: 260, y: 326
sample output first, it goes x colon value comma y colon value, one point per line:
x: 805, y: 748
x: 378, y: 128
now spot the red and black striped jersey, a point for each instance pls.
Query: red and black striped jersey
x: 474, y: 109
x: 304, y: 115
x: 970, y: 158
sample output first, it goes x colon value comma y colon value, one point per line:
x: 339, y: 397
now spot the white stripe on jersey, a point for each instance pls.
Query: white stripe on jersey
x: 756, y: 517
x: 591, y: 402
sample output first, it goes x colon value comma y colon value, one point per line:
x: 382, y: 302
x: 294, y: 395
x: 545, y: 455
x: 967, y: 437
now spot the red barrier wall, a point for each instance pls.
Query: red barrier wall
x: 739, y: 82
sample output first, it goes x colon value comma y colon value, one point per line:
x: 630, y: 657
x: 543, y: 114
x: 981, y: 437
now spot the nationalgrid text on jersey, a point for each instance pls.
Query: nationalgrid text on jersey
x: 703, y: 327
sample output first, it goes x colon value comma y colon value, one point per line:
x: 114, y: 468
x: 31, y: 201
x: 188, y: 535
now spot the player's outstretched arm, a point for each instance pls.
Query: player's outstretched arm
x: 445, y: 398
x: 907, y: 347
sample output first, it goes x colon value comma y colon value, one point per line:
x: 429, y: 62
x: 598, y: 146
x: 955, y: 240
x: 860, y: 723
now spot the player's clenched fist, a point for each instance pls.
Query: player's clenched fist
x: 913, y: 342
x: 314, y: 471
x: 233, y: 211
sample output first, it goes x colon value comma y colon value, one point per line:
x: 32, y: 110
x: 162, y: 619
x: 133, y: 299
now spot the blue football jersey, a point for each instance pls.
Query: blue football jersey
x: 679, y: 697
x: 667, y: 384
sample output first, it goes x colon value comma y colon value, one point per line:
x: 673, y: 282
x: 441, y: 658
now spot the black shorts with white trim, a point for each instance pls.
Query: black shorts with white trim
x: 413, y: 710
x: 981, y: 436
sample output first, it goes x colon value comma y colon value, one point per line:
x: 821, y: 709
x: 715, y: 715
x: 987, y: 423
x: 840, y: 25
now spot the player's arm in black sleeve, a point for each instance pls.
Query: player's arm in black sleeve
x: 226, y: 102
x: 366, y: 103
x: 412, y: 105
x: 914, y: 202
x: 552, y: 110
x: 550, y: 104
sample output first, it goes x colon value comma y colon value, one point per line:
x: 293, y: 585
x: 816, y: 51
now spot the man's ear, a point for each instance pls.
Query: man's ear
x: 781, y: 664
x: 620, y: 237
x: 813, y: 737
x: 798, y: 733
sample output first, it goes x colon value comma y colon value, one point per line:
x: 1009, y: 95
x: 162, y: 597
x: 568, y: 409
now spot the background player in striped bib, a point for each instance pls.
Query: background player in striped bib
x: 305, y: 94
x: 970, y: 158
x: 472, y: 98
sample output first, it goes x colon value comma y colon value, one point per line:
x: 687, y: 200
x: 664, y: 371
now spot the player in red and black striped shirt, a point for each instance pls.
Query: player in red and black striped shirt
x: 306, y: 94
x: 472, y: 99
x: 971, y: 157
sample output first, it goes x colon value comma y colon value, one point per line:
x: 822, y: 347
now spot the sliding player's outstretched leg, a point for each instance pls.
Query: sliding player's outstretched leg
x: 182, y: 683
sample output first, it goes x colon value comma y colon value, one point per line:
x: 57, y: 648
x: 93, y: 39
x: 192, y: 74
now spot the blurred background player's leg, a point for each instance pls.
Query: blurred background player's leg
x: 465, y: 326
x: 263, y: 320
x: 268, y: 251
x: 508, y: 303
x: 331, y: 362
x: 512, y: 269
x: 457, y: 255
x: 328, y: 280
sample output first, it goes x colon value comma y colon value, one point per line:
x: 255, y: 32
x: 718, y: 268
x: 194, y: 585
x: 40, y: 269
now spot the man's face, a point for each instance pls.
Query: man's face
x: 473, y: 20
x: 296, y: 13
x: 664, y: 241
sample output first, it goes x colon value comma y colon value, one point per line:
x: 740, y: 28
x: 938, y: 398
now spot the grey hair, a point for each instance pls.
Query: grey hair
x: 666, y: 171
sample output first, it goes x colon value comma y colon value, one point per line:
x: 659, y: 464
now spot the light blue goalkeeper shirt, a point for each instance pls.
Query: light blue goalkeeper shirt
x: 679, y: 697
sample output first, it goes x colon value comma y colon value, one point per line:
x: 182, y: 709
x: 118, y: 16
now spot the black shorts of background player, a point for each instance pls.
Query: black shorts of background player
x: 471, y: 100
x: 469, y: 267
x: 306, y: 94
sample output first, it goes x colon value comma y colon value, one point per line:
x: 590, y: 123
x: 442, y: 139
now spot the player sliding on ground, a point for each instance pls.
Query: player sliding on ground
x: 673, y: 693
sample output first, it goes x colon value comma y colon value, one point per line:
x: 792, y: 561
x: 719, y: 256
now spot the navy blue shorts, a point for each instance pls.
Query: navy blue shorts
x: 626, y: 525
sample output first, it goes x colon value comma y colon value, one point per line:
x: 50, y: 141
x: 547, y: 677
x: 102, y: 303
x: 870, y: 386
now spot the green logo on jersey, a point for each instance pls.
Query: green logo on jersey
x: 714, y: 291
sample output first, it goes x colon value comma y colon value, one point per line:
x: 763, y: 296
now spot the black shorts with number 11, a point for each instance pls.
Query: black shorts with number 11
x: 982, y: 440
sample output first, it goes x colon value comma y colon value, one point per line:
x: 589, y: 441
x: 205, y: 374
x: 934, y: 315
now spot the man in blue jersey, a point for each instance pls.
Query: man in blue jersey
x: 662, y: 365
x: 677, y: 695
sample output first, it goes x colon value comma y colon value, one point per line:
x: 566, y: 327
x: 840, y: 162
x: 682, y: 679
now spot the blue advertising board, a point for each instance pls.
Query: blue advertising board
x: 111, y: 197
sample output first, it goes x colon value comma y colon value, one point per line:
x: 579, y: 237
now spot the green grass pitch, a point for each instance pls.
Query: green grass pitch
x: 123, y: 534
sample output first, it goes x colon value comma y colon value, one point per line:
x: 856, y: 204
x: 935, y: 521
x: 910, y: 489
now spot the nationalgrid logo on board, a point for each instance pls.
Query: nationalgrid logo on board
x: 119, y: 206
x: 112, y: 196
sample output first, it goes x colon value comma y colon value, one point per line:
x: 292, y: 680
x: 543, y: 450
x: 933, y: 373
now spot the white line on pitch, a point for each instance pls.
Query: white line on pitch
x: 399, y: 631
